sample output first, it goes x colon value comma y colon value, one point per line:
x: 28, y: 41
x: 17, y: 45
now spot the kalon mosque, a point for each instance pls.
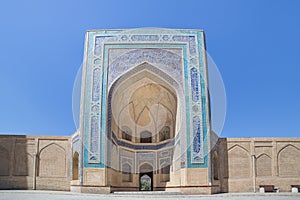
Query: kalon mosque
x: 145, y: 125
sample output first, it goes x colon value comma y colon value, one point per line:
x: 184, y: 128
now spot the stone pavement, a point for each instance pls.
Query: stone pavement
x: 56, y: 195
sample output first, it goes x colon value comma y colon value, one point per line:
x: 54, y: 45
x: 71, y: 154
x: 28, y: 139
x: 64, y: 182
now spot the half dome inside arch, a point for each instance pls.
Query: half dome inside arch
x: 143, y: 102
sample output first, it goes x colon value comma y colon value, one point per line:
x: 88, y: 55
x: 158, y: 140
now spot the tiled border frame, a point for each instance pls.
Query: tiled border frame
x: 146, y: 37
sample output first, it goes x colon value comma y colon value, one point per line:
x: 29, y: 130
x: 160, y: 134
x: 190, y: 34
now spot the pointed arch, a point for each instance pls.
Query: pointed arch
x: 124, y: 107
x: 288, y: 145
x: 289, y: 161
x: 263, y: 165
x: 53, y: 143
x: 128, y: 91
x: 145, y: 171
x: 52, y: 161
x: 126, y: 172
x: 239, y: 162
x: 164, y: 133
x: 126, y: 133
x: 239, y: 146
x: 145, y: 137
x: 263, y: 154
x: 144, y: 74
x: 138, y: 73
x: 142, y: 111
x: 145, y: 167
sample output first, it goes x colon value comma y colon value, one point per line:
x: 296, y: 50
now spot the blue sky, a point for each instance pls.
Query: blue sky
x: 255, y: 45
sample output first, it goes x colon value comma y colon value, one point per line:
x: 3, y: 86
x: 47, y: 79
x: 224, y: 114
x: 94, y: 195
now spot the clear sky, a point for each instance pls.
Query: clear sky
x: 254, y: 43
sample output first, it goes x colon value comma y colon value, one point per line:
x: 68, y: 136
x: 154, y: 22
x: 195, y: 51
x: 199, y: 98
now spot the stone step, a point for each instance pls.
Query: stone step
x: 147, y: 193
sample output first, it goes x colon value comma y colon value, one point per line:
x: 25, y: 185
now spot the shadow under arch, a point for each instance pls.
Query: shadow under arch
x: 146, y: 177
x: 75, y: 166
x: 153, y: 73
x: 140, y: 73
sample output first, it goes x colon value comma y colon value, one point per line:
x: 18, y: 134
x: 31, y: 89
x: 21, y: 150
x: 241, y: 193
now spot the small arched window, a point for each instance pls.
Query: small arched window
x: 164, y: 133
x: 126, y: 133
x: 146, y: 137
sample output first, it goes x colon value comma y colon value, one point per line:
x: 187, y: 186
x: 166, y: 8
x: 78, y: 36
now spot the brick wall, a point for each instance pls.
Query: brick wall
x: 39, y: 162
x: 33, y: 162
x: 259, y: 161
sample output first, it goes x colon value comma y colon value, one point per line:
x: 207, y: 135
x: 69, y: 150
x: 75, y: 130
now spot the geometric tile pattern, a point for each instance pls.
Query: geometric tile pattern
x: 179, y: 53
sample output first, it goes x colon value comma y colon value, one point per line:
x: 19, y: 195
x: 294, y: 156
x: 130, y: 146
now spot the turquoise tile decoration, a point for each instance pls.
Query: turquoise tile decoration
x: 185, y: 72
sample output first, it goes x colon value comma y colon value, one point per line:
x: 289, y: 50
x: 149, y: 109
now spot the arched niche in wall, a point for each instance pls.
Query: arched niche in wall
x: 75, y: 168
x: 126, y: 133
x: 145, y: 137
x: 263, y: 165
x: 289, y: 161
x: 126, y: 172
x: 52, y: 161
x: 239, y: 162
x: 165, y: 133
x: 142, y: 101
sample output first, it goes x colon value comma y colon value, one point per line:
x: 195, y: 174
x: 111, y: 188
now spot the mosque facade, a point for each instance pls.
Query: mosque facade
x: 145, y: 124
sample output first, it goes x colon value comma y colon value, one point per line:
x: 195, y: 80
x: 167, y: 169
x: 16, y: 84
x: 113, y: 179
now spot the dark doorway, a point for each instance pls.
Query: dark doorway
x: 146, y: 177
x: 146, y: 181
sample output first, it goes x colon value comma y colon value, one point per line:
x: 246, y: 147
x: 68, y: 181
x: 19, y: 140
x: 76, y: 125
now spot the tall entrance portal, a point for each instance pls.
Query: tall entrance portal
x: 144, y: 122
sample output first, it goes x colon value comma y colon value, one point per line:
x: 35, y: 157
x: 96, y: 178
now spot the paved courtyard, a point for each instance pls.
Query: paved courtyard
x: 55, y: 195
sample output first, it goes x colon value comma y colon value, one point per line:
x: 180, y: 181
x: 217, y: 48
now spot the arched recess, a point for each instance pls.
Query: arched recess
x: 215, y: 163
x: 126, y: 172
x: 75, y: 167
x: 52, y: 161
x: 23, y: 163
x: 263, y: 165
x: 239, y: 162
x: 146, y: 176
x: 137, y: 99
x: 145, y: 168
x: 126, y: 133
x: 164, y: 133
x: 4, y: 160
x: 165, y: 172
x: 289, y: 161
x: 145, y: 137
